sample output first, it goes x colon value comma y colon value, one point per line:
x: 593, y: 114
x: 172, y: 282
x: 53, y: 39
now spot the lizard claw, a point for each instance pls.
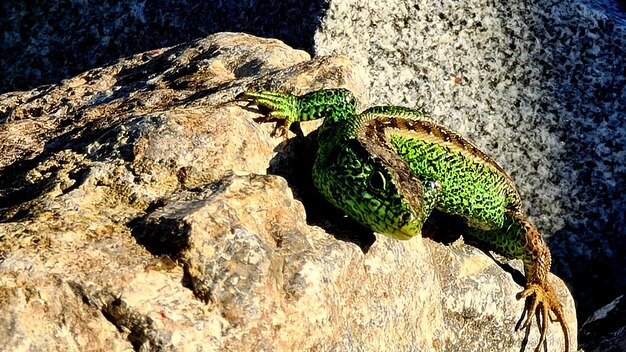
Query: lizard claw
x: 541, y: 301
x: 275, y: 107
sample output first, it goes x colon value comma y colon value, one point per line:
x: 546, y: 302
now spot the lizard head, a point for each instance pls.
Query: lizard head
x: 374, y: 200
x: 383, y: 208
x: 369, y: 191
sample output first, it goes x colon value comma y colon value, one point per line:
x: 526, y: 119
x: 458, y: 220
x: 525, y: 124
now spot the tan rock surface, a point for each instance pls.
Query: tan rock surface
x: 142, y: 210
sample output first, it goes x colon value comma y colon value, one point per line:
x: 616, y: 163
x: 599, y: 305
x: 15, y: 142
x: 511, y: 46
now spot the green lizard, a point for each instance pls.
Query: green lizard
x: 388, y: 167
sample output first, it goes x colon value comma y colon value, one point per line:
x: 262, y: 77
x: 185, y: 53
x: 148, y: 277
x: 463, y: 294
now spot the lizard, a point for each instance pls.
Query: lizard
x: 388, y: 167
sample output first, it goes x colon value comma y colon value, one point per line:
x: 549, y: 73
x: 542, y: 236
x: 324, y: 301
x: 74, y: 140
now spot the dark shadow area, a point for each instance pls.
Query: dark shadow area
x: 294, y: 162
x: 604, y: 334
x: 444, y: 228
x: 160, y: 236
x: 45, y: 42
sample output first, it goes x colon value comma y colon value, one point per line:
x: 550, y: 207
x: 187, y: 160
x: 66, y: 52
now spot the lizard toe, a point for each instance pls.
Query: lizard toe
x: 541, y: 301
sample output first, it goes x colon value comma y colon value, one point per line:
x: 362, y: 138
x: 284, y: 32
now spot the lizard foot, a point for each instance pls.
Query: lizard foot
x: 541, y: 301
x: 275, y: 107
x: 280, y: 129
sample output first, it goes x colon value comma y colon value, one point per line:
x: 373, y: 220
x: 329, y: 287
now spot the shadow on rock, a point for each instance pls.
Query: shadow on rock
x: 294, y: 162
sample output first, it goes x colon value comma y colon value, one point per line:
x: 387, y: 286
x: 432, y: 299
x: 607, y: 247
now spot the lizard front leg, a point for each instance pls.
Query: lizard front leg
x: 279, y: 107
x: 335, y: 105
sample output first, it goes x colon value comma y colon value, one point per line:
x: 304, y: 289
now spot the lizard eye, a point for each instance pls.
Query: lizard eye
x: 377, y: 181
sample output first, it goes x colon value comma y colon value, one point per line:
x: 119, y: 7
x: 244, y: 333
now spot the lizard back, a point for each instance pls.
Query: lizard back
x: 469, y: 178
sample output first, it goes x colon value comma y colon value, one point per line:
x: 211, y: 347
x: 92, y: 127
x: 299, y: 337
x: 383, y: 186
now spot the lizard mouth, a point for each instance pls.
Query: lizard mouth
x: 406, y: 232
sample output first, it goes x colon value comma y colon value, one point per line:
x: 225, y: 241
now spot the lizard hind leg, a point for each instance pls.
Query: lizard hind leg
x: 542, y: 302
x: 541, y: 299
x: 518, y: 238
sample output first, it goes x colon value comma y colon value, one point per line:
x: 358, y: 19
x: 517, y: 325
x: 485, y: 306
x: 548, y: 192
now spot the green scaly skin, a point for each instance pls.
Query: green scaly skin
x: 388, y: 167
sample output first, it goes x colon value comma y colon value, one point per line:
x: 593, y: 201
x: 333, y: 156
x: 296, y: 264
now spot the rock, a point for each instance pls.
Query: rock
x: 605, y: 330
x: 143, y: 209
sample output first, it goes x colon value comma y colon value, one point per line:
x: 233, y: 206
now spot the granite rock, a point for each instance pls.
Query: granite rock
x: 142, y: 209
x: 605, y: 330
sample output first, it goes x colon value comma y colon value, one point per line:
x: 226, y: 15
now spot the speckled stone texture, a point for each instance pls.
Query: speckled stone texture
x: 538, y: 85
